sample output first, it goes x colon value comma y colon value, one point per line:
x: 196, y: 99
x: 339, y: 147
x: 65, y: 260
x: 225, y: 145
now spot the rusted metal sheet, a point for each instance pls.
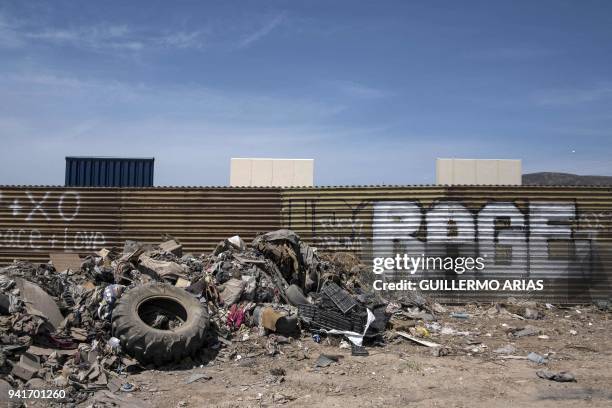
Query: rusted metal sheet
x: 35, y: 221
x: 561, y: 235
x: 199, y: 218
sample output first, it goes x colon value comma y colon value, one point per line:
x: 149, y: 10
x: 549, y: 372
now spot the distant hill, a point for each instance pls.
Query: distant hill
x: 565, y: 179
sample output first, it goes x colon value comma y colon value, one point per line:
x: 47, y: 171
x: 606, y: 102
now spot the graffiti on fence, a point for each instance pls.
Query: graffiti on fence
x: 534, y: 236
x: 343, y: 232
x: 28, y: 218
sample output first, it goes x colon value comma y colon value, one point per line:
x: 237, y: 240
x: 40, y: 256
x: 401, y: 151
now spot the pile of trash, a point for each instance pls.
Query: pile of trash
x: 83, y: 329
x: 147, y: 306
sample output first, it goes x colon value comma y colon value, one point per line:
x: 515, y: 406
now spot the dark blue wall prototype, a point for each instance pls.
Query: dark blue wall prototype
x: 109, y: 172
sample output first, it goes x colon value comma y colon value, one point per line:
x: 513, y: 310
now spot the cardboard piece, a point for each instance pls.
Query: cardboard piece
x: 63, y: 261
x: 39, y: 303
x: 27, y: 367
x: 161, y: 269
x: 173, y: 247
x: 46, y: 352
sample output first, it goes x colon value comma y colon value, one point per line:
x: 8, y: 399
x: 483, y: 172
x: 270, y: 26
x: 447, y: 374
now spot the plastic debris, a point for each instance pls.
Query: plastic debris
x: 260, y: 296
x: 507, y: 349
x: 340, y: 297
x: 325, y: 360
x: 359, y: 351
x: 525, y: 331
x: 417, y: 340
x: 197, y: 377
x: 537, y: 358
x: 562, y: 376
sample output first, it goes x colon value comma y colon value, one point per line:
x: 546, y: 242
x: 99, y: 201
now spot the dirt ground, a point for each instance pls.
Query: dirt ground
x: 403, y: 373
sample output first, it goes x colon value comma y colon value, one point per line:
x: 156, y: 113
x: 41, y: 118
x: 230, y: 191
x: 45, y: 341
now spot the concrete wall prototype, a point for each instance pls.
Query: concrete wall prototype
x: 560, y: 234
x: 271, y: 172
x: 475, y: 172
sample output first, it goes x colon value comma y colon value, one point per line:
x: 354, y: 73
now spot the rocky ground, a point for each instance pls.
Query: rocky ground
x: 403, y: 373
x: 247, y: 326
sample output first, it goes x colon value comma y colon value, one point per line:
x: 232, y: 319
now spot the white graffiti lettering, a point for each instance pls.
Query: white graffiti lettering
x: 539, y: 241
x: 42, y: 206
x: 60, y: 206
x: 37, y: 206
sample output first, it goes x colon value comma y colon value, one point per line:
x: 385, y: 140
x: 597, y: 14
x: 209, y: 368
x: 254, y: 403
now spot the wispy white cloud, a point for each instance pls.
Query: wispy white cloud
x: 183, y: 39
x: 358, y: 90
x: 99, y: 37
x: 561, y: 97
x: 184, y: 101
x: 130, y: 38
x: 261, y: 32
x: 94, y: 38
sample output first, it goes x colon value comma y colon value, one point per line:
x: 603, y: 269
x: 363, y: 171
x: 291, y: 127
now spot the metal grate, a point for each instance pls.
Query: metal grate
x: 339, y: 296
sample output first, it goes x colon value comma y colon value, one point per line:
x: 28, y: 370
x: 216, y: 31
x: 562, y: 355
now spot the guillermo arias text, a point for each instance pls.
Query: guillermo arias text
x: 515, y: 285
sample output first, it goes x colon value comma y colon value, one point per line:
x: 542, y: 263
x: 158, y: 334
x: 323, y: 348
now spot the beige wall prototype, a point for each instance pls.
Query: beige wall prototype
x: 478, y: 172
x: 271, y: 172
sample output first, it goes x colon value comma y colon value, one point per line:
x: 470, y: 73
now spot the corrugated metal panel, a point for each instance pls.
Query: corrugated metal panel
x: 200, y: 218
x: 35, y: 221
x: 562, y: 235
x: 109, y: 172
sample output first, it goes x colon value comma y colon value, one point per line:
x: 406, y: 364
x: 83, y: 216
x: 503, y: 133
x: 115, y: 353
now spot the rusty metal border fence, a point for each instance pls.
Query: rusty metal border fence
x: 560, y: 234
x: 35, y: 221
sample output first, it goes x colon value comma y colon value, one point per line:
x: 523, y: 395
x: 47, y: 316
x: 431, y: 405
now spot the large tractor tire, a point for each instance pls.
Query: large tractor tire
x: 141, y: 308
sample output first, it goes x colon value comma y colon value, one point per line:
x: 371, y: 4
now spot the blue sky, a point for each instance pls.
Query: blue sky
x: 373, y: 91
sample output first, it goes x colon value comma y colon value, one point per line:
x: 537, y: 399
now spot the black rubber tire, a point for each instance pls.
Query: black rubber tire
x: 150, y: 345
